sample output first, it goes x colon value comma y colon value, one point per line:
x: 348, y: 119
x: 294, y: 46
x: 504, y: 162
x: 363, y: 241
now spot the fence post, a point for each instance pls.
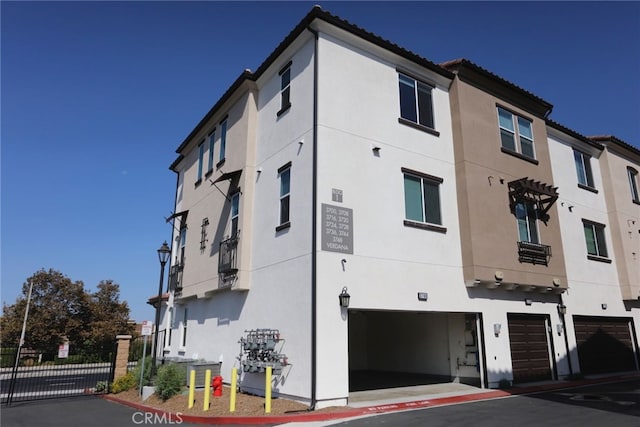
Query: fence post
x: 122, y: 355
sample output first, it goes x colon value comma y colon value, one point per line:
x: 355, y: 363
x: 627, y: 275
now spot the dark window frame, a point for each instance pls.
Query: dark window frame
x: 418, y: 113
x: 601, y: 252
x: 428, y: 209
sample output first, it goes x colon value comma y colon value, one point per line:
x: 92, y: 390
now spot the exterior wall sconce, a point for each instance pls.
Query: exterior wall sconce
x: 559, y: 328
x: 496, y: 329
x: 562, y: 309
x: 528, y: 301
x: 344, y: 298
x: 376, y: 149
x: 604, y: 306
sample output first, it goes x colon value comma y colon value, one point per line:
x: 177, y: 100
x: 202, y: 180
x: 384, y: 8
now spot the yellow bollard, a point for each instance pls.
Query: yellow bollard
x: 192, y: 388
x: 234, y: 381
x: 207, y: 387
x: 267, y: 391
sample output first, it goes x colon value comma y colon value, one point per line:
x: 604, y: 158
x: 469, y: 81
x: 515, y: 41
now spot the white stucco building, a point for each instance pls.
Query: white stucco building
x: 345, y: 162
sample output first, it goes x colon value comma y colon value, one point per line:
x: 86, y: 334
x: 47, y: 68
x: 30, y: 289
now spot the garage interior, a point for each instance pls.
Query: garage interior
x: 390, y: 349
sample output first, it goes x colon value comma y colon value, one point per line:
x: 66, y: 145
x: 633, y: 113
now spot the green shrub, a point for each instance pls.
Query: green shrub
x: 123, y: 383
x: 146, y: 379
x: 169, y: 380
x: 103, y: 387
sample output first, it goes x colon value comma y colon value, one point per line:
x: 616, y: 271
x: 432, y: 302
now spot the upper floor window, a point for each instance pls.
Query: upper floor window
x: 633, y: 184
x: 422, y: 199
x: 583, y: 168
x: 183, y: 244
x: 595, y: 238
x: 235, y: 213
x: 416, y: 103
x: 527, y: 219
x: 223, y: 140
x: 212, y: 144
x: 200, y: 160
x: 284, y: 174
x: 285, y: 88
x: 516, y: 133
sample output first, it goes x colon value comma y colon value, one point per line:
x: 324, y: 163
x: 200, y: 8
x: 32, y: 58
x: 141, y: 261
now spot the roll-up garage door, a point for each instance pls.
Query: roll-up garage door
x: 604, y: 344
x: 529, y: 348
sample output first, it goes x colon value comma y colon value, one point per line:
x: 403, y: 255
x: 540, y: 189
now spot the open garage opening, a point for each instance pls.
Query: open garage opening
x: 389, y: 349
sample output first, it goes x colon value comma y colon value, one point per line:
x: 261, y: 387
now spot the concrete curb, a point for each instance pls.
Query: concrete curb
x: 371, y: 410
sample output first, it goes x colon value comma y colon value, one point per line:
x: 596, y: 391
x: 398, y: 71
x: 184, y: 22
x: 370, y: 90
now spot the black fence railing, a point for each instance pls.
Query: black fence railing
x: 31, y: 379
x: 534, y: 253
x: 227, y: 259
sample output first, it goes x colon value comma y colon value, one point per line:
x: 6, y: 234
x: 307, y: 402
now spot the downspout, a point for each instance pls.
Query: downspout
x: 314, y: 221
x: 564, y: 331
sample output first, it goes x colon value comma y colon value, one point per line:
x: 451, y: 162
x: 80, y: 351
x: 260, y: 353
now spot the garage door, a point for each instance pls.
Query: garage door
x: 604, y: 344
x: 529, y: 348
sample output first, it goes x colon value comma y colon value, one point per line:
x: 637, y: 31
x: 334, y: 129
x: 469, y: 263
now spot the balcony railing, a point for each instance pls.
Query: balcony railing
x: 535, y: 253
x: 227, y: 258
x: 175, y: 278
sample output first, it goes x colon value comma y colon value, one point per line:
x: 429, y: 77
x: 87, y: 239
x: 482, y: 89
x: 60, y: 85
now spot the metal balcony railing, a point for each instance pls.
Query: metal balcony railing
x: 535, y: 253
x: 175, y: 278
x: 227, y: 258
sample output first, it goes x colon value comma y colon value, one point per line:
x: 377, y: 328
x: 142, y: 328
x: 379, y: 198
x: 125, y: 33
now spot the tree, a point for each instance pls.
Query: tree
x: 108, y: 317
x: 58, y: 312
x: 62, y: 310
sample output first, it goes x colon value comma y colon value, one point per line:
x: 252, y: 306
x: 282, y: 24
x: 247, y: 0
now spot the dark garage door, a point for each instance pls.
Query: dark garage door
x: 604, y: 344
x: 529, y: 348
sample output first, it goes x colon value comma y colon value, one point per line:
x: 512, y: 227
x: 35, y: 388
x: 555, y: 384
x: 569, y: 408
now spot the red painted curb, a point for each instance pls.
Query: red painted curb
x: 376, y: 409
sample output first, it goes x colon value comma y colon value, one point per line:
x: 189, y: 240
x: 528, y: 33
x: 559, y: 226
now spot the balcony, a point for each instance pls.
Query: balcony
x: 534, y: 253
x: 175, y: 278
x: 227, y: 257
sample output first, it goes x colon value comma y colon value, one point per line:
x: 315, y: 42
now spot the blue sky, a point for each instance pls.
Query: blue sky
x: 96, y: 97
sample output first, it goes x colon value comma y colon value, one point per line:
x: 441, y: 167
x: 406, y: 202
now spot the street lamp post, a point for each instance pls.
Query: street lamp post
x: 163, y: 255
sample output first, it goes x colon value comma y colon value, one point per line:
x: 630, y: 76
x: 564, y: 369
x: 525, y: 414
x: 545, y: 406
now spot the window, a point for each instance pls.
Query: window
x: 594, y: 236
x: 183, y: 242
x: 421, y: 198
x: 200, y: 160
x: 527, y: 217
x: 633, y: 184
x: 223, y: 140
x: 285, y: 88
x: 184, y: 329
x: 212, y: 144
x: 235, y: 209
x: 516, y: 133
x: 583, y: 168
x: 167, y: 338
x: 284, y: 173
x: 415, y: 101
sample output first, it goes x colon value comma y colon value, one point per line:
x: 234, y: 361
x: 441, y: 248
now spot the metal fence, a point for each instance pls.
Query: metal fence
x: 31, y: 380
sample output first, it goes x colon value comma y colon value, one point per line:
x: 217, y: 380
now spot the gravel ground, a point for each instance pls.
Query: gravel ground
x: 246, y: 405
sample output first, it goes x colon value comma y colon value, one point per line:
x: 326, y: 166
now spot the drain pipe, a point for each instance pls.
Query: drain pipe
x: 564, y: 331
x: 314, y: 222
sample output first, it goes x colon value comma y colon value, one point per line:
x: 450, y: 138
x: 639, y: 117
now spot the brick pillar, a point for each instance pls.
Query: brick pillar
x: 122, y: 355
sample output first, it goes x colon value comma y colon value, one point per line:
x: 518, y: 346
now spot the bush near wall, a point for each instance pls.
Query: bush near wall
x: 170, y: 380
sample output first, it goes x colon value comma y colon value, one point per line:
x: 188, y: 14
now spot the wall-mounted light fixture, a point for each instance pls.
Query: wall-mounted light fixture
x: 559, y: 328
x: 528, y: 301
x: 496, y: 329
x: 562, y: 309
x: 376, y: 150
x: 344, y: 298
x: 423, y: 296
x: 604, y: 306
